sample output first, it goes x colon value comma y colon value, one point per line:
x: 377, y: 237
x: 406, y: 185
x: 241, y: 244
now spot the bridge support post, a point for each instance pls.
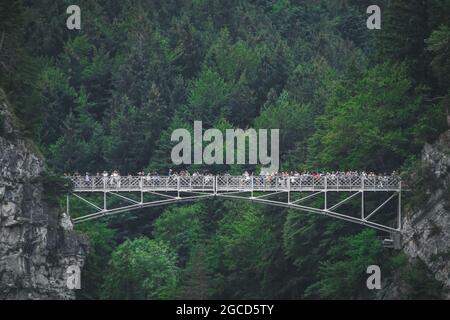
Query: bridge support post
x: 289, y: 189
x: 104, y: 200
x: 362, y: 205
x: 362, y: 198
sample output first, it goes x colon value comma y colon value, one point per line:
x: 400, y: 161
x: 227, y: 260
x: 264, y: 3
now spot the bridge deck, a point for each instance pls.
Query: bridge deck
x: 304, y: 183
x: 190, y: 188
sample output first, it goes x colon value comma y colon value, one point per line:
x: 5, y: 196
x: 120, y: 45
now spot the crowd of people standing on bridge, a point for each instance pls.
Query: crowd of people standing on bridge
x: 114, y: 178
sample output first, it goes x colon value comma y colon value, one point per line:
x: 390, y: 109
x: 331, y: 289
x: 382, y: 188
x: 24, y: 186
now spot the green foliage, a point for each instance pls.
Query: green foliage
x: 80, y: 143
x: 239, y: 252
x: 415, y: 276
x: 18, y: 66
x: 181, y: 228
x: 101, y: 245
x: 161, y: 160
x: 343, y: 275
x: 141, y: 269
x: 208, y: 97
x: 306, y: 240
x: 58, y: 100
x: 127, y: 147
x: 294, y: 120
x: 54, y: 186
x: 404, y: 29
x: 311, y: 83
x: 370, y: 125
x: 233, y: 61
x: 439, y: 46
x: 196, y: 277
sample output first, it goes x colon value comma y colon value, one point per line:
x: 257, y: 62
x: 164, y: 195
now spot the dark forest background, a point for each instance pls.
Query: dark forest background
x: 107, y: 97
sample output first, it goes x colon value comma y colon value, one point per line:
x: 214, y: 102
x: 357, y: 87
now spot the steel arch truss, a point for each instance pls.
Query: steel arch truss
x: 322, y: 205
x: 166, y: 198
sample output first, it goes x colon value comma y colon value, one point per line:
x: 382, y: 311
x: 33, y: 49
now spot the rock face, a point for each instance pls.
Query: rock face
x: 37, y: 243
x: 427, y: 224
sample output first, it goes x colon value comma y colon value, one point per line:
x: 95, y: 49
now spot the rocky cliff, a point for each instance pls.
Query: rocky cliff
x: 427, y: 220
x: 37, y: 243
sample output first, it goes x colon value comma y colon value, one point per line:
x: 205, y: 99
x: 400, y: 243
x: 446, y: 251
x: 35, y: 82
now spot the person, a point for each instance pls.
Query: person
x: 87, y: 178
x: 105, y: 177
x: 116, y: 178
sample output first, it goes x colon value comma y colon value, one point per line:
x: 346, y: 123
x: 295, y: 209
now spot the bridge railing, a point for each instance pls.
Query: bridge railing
x: 236, y: 183
x: 198, y: 183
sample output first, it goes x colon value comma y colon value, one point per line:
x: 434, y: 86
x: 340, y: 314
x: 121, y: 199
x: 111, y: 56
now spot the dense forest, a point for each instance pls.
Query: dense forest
x: 108, y: 96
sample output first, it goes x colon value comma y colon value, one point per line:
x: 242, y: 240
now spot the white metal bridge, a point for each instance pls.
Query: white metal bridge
x: 295, y: 191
